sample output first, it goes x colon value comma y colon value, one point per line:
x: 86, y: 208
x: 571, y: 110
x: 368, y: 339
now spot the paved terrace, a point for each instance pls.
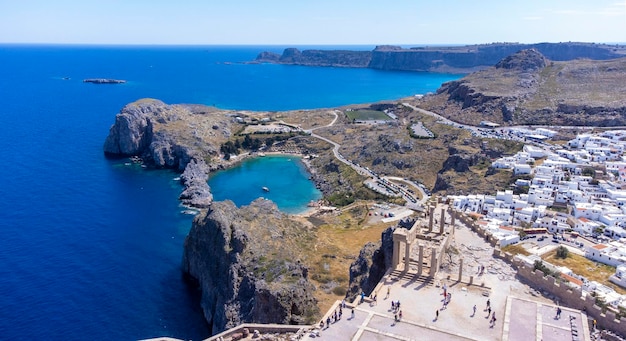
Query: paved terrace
x: 520, y: 315
x: 517, y: 318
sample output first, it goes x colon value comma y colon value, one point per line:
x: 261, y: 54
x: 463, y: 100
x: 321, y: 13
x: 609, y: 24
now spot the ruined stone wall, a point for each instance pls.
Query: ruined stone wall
x: 572, y: 297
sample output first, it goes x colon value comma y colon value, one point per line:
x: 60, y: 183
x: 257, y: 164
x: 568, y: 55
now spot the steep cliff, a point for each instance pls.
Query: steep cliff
x: 340, y: 58
x: 132, y: 132
x: 460, y: 59
x: 247, y: 265
x: 167, y: 135
x: 370, y: 267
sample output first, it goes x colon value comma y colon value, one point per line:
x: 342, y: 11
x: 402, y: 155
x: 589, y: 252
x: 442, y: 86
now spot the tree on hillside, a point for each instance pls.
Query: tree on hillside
x: 598, y: 230
x: 588, y: 171
x: 562, y: 252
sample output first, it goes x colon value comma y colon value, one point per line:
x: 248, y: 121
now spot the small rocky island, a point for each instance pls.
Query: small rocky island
x: 104, y: 81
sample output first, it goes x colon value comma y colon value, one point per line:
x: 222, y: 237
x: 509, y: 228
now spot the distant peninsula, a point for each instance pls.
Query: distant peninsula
x: 103, y: 81
x: 446, y: 59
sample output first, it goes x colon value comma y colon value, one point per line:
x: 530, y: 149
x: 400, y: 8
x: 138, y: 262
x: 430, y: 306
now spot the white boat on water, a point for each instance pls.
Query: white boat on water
x: 261, y: 154
x: 265, y: 189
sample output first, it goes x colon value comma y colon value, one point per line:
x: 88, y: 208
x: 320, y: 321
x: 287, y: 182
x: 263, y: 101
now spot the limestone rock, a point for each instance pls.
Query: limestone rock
x: 197, y: 192
x: 245, y: 262
x: 167, y: 136
x: 370, y: 267
x: 132, y: 132
x: 525, y: 60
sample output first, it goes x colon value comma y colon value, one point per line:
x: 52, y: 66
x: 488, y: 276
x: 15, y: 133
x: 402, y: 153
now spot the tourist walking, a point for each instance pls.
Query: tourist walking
x: 437, y: 315
x: 474, y: 310
x: 352, y: 314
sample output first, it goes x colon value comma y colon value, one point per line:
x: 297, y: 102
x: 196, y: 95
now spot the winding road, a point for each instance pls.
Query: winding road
x: 387, y: 185
x: 384, y: 181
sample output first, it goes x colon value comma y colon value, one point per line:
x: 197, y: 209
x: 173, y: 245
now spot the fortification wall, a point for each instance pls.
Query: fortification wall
x: 573, y: 298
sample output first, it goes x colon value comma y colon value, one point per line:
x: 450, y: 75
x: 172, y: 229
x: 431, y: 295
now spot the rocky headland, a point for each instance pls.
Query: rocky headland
x: 371, y: 265
x: 453, y: 59
x: 247, y: 262
x: 527, y: 88
x: 180, y: 137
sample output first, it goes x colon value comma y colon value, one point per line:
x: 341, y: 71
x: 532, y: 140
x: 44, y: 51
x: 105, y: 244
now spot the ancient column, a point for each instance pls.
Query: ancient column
x: 452, y: 220
x: 407, y: 254
x: 433, y: 262
x: 442, y: 220
x: 431, y: 216
x: 396, y: 252
x: 420, y: 258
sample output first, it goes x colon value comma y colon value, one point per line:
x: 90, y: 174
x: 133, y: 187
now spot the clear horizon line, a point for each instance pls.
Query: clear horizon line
x: 294, y: 44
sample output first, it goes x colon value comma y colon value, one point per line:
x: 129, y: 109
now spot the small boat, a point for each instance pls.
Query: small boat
x: 265, y: 189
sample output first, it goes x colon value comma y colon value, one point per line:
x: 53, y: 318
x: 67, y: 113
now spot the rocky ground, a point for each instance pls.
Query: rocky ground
x: 528, y: 89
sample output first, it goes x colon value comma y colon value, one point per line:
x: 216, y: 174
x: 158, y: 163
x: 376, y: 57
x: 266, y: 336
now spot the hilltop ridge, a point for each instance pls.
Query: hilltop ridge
x: 527, y: 88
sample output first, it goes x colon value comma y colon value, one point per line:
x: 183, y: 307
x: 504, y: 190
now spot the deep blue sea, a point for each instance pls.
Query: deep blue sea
x: 91, y: 248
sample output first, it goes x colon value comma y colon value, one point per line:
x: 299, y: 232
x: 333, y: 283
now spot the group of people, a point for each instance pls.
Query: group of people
x: 492, y: 320
x: 395, y: 307
x: 335, y: 316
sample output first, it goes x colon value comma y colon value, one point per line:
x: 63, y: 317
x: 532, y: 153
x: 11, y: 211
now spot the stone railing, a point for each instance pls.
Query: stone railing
x: 244, y: 330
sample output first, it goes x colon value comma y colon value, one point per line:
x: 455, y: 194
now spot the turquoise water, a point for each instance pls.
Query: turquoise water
x: 91, y: 248
x: 285, y: 176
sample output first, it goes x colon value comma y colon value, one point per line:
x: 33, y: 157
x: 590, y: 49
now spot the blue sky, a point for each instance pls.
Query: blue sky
x: 299, y: 22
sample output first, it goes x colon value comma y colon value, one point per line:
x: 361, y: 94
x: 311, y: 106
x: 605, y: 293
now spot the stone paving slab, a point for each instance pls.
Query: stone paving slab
x: 523, y: 322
